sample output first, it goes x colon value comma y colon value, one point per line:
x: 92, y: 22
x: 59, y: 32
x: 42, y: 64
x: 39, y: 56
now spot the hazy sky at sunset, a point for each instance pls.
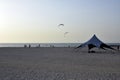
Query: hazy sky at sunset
x: 37, y: 20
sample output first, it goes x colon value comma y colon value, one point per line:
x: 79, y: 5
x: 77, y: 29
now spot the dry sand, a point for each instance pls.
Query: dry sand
x: 58, y: 64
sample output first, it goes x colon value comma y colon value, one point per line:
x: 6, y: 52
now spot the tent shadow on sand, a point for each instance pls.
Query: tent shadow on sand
x: 95, y: 42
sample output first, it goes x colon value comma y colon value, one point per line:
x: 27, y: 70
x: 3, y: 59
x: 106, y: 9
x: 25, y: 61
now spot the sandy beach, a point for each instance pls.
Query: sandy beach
x: 58, y: 64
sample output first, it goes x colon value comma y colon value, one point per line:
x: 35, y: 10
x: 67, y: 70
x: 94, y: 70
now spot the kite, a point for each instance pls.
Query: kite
x: 61, y: 25
x: 65, y: 33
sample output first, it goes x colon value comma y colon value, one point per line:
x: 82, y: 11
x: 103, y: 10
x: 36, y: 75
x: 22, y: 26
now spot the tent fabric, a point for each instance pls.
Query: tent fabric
x: 95, y: 42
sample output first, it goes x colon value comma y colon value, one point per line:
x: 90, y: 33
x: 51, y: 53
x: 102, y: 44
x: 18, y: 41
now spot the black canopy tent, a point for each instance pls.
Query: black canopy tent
x: 95, y: 42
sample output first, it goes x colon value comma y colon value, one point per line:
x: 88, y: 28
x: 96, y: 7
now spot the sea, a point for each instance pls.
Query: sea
x: 39, y: 44
x: 45, y: 44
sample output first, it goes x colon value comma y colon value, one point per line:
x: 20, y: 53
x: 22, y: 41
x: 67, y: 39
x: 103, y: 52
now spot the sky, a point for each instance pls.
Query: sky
x: 36, y: 21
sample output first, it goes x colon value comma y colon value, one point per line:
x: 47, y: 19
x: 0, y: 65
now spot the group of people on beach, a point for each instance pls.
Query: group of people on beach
x: 29, y: 46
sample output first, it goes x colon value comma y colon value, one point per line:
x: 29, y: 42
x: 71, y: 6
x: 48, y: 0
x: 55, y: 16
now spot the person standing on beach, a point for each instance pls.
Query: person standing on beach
x: 118, y: 47
x: 39, y: 45
x: 29, y: 46
x: 25, y: 46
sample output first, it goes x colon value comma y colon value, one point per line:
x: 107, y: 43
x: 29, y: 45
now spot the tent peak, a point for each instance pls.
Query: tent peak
x: 94, y: 35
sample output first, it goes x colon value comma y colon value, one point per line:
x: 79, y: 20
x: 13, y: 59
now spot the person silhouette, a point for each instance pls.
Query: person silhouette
x: 29, y: 46
x: 118, y: 47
